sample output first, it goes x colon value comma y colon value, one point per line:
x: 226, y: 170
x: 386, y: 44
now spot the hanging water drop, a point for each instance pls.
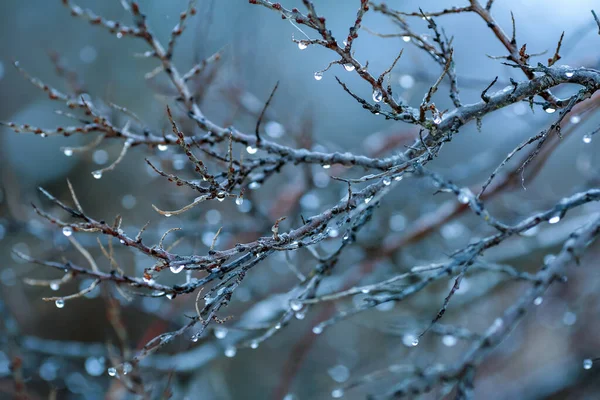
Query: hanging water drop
x: 195, y: 338
x: 177, y: 268
x: 368, y: 199
x: 254, y: 344
x: 365, y: 290
x: 538, y: 300
x: 230, y: 351
x: 67, y: 231
x: 449, y: 340
x: 97, y: 174
x: 318, y: 75
x: 337, y: 393
x: 54, y: 286
x: 127, y: 368
x: 302, y: 45
x: 569, y: 74
x: 415, y: 342
x: 162, y: 147
x: 464, y: 196
x: 296, y: 305
x: 168, y: 215
x: 251, y: 150
x: 349, y: 67
x: 68, y: 151
x: 587, y: 138
x: 550, y: 110
x: 239, y: 201
x: 587, y: 363
x: 406, y: 38
x: 60, y: 303
x: 317, y: 330
x: 437, y: 120
x: 170, y: 296
x: 112, y: 371
x: 377, y: 95
x: 555, y: 219
x: 220, y: 332
x: 254, y: 185
x: 326, y: 166
x: 387, y: 181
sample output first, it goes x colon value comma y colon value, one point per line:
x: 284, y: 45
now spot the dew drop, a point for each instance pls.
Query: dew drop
x: 318, y: 75
x: 59, y: 303
x: 538, y: 300
x: 300, y: 315
x: 387, y: 181
x: 349, y: 67
x: 415, y: 342
x: 278, y: 326
x: 112, y: 371
x: 587, y: 138
x: 296, y: 305
x: 550, y: 110
x: 587, y: 363
x: 162, y: 147
x: 177, y: 268
x: 464, y: 196
x: 119, y: 35
x: 97, y: 174
x: 239, y: 201
x: 406, y: 38
x: 68, y: 151
x: 302, y: 45
x: 555, y: 219
x: 67, y: 231
x: 254, y: 185
x: 220, y: 332
x: 337, y: 393
x: 368, y: 199
x: 317, y: 330
x: 254, y: 344
x: 54, y: 286
x: 168, y: 215
x: 569, y: 74
x: 398, y: 178
x: 170, y: 296
x: 449, y: 340
x: 365, y: 291
x: 195, y: 338
x: 230, y: 351
x: 377, y: 95
x: 127, y: 368
x: 251, y: 150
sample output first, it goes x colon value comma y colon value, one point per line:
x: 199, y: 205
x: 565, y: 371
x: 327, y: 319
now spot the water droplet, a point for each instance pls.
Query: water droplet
x: 415, y: 342
x: 177, y: 268
x: 239, y: 200
x: 170, y: 296
x: 112, y: 371
x: 337, y: 393
x: 119, y: 35
x: 449, y: 340
x: 300, y: 315
x: 254, y: 185
x: 365, y: 291
x: 254, y: 344
x: 68, y: 151
x: 162, y: 147
x: 587, y: 363
x: 43, y: 134
x: 60, y: 303
x: 569, y: 74
x: 575, y: 119
x: 437, y: 120
x: 278, y: 326
x: 349, y: 67
x: 406, y: 38
x: 221, y: 196
x: 377, y: 95
x: 317, y: 330
x: 302, y: 45
x: 587, y: 138
x: 368, y: 199
x: 318, y: 76
x: 67, y: 231
x: 220, y: 332
x: 230, y: 351
x: 387, y: 181
x: 97, y: 174
x: 555, y: 219
x: 296, y: 305
x: 127, y: 368
x: 326, y: 166
x: 538, y: 300
x: 251, y: 150
x: 168, y: 215
x: 195, y: 338
x: 122, y: 241
x: 54, y: 286
x: 464, y: 196
x: 550, y: 110
x: 398, y: 178
x: 339, y: 373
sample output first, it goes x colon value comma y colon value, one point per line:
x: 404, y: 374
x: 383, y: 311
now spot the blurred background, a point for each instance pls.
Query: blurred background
x: 66, y: 351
